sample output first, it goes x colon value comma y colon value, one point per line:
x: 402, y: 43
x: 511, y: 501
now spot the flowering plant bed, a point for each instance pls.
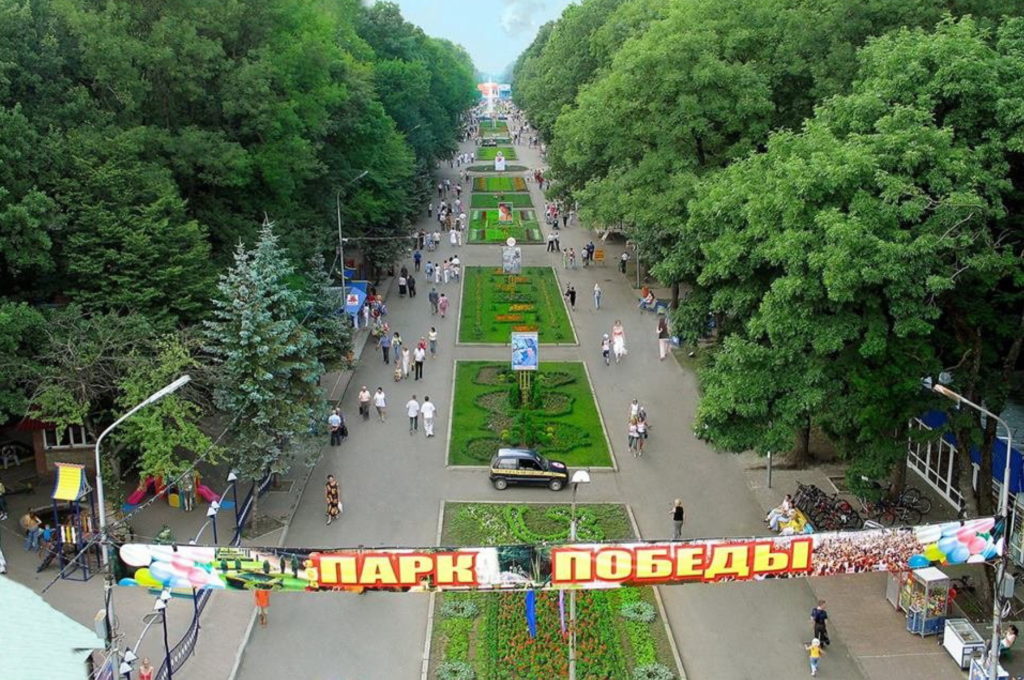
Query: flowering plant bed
x: 485, y: 227
x: 494, y: 641
x: 496, y: 185
x: 487, y: 153
x: 491, y: 201
x: 564, y: 423
x: 487, y: 293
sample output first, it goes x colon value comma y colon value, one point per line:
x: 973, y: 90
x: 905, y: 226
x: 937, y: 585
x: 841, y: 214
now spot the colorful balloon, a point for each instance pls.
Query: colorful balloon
x: 918, y: 562
x: 947, y: 544
x: 977, y: 545
x: 127, y: 582
x: 145, y: 579
x: 135, y: 555
x: 928, y: 534
x: 162, y: 572
x: 959, y: 555
x: 933, y: 554
x: 966, y: 535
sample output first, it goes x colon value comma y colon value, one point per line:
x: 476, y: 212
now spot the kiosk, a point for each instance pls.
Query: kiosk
x: 923, y: 595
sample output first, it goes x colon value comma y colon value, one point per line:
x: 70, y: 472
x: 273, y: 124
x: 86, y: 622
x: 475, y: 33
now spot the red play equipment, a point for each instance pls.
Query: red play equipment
x: 148, y: 486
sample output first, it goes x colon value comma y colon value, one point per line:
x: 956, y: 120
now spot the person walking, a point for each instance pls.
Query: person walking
x: 33, y: 527
x: 430, y: 209
x: 146, y: 670
x: 427, y: 411
x: 432, y: 337
x: 433, y: 297
x: 3, y: 501
x: 606, y: 349
x: 417, y: 256
x: 385, y: 347
x: 641, y: 436
x: 597, y: 296
x: 332, y: 494
x: 622, y: 262
x: 406, y: 362
x: 442, y: 305
x: 364, y: 402
x: 677, y: 519
x: 380, y: 401
x: 262, y: 598
x: 412, y: 409
x: 419, y: 355
x: 819, y: 617
x: 631, y: 437
x: 570, y: 295
x: 411, y: 283
x: 618, y: 341
x: 334, y: 425
x: 663, y: 337
x: 814, y: 654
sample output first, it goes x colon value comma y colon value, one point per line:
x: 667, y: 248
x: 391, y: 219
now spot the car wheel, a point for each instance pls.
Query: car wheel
x: 500, y: 484
x: 555, y: 485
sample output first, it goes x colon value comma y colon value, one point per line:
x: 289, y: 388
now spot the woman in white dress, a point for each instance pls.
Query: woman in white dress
x: 618, y: 340
x: 405, y: 362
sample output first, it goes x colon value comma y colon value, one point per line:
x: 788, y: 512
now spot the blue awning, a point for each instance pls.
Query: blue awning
x: 937, y: 420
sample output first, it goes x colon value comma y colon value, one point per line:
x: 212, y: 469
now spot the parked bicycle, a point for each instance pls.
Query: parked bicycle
x: 827, y: 512
x: 890, y: 508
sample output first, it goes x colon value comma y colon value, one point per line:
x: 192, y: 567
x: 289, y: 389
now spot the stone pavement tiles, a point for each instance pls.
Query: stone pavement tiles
x: 394, y: 484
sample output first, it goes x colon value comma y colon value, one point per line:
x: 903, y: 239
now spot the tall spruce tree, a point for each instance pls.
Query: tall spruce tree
x: 267, y: 358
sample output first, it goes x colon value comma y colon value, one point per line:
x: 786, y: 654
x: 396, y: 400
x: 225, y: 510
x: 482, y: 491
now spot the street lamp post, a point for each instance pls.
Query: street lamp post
x: 1004, y: 506
x: 104, y: 552
x: 233, y: 480
x: 161, y: 606
x: 578, y: 477
x: 211, y: 512
x: 341, y: 241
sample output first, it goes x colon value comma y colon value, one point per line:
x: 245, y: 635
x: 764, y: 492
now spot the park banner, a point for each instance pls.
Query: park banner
x: 559, y: 566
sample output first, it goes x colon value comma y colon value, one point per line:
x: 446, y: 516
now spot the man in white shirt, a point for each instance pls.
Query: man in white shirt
x: 381, y: 402
x: 428, y: 410
x: 412, y: 409
x: 364, y: 403
x: 419, y: 355
x: 334, y: 424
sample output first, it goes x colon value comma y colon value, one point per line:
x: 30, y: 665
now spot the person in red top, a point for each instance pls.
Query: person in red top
x: 262, y: 598
x: 146, y: 670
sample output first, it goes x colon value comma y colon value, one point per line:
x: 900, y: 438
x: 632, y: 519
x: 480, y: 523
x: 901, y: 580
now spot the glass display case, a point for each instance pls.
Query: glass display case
x: 963, y: 642
x: 925, y: 598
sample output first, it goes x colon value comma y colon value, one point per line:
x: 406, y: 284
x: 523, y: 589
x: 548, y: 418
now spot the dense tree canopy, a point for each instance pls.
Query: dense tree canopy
x: 141, y: 143
x: 837, y: 185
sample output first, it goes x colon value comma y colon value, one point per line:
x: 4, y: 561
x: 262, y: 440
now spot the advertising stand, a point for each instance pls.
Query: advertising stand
x: 927, y: 593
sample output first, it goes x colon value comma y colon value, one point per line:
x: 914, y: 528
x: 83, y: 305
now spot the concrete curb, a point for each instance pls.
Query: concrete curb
x: 600, y: 415
x: 565, y: 306
x: 451, y: 417
x: 661, y: 606
x: 425, y: 667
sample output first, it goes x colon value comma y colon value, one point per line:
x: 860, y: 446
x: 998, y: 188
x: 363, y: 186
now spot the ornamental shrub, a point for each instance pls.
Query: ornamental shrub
x: 654, y: 671
x: 640, y: 611
x: 460, y: 608
x: 455, y: 670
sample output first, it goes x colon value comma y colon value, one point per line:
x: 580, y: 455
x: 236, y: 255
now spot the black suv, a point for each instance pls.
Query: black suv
x: 526, y: 466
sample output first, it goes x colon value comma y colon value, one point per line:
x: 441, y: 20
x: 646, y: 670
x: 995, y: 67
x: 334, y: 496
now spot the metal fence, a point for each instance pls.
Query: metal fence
x: 181, y: 651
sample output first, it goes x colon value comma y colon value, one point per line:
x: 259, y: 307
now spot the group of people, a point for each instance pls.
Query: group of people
x: 614, y: 344
x: 638, y: 430
x: 408, y: 360
x: 449, y: 269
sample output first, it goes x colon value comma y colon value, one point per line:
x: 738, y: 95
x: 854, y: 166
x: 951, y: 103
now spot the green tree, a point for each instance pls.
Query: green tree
x: 326, y: 318
x: 266, y: 358
x: 21, y: 336
x: 870, y: 249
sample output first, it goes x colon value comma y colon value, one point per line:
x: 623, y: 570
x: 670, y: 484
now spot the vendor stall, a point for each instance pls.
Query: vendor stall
x: 979, y: 671
x: 962, y: 642
x: 923, y: 595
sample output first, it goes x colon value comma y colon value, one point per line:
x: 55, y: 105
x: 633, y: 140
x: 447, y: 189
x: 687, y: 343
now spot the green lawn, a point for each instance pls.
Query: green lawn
x: 490, y: 168
x: 499, y: 185
x: 566, y: 427
x: 494, y: 304
x: 490, y: 636
x: 484, y: 201
x: 484, y: 227
x: 487, y: 153
x: 493, y: 127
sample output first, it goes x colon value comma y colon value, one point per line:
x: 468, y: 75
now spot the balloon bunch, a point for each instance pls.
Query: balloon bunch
x: 163, y: 566
x: 956, y: 543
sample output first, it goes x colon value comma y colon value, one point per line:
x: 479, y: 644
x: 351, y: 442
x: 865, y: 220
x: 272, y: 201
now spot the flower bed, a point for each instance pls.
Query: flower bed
x: 484, y: 227
x: 495, y: 643
x: 491, y: 201
x: 487, y: 153
x: 488, y: 293
x: 496, y: 185
x: 566, y: 418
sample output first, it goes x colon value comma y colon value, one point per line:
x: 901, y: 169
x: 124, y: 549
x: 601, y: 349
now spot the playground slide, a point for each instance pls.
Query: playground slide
x: 149, y: 486
x: 206, y: 493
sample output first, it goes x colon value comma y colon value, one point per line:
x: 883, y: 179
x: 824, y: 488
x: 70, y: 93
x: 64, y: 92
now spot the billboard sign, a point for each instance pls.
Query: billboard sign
x: 569, y: 565
x: 525, y: 352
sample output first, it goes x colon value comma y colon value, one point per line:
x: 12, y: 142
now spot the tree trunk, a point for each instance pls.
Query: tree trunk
x: 674, y: 303
x: 802, y: 450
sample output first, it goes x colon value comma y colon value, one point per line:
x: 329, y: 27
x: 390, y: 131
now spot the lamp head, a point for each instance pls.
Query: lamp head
x: 233, y: 476
x: 165, y: 595
x: 159, y: 605
x: 580, y: 477
x: 129, y: 656
x: 125, y: 668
